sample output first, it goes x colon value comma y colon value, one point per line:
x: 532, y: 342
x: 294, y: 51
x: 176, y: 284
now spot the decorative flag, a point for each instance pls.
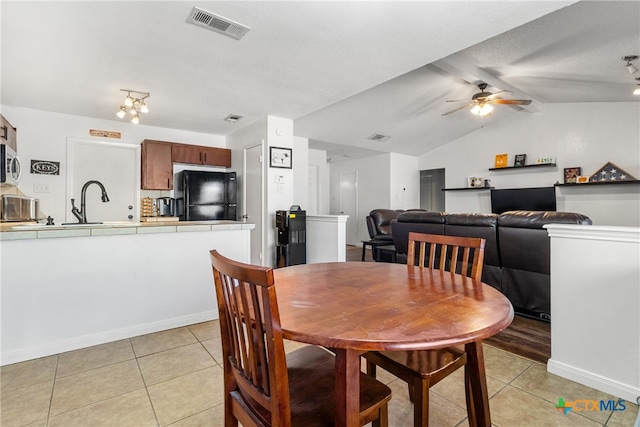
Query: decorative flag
x: 610, y: 172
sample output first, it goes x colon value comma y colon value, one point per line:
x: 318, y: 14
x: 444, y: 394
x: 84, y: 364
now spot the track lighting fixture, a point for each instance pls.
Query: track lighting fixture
x: 629, y: 66
x: 134, y: 105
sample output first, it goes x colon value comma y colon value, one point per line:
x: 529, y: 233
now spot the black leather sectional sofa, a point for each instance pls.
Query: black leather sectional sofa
x: 517, y: 250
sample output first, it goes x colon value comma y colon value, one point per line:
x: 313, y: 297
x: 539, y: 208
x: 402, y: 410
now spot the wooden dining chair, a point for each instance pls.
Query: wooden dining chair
x: 263, y: 385
x: 421, y: 369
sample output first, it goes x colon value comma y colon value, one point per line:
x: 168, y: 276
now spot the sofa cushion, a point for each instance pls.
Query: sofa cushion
x: 422, y: 216
x: 537, y: 219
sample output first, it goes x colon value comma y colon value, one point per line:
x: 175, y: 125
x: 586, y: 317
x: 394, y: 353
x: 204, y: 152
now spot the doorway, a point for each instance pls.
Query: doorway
x: 349, y: 205
x: 116, y: 166
x: 431, y: 194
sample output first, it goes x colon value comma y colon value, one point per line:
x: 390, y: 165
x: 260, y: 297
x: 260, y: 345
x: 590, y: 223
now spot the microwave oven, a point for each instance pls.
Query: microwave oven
x: 10, y: 169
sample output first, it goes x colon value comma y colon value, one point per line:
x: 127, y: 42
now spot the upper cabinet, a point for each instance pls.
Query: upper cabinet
x: 157, y: 165
x: 8, y: 135
x: 200, y: 155
x: 158, y: 158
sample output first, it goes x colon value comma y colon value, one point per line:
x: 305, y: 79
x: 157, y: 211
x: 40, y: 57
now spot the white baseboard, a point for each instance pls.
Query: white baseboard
x: 590, y: 379
x: 76, y: 343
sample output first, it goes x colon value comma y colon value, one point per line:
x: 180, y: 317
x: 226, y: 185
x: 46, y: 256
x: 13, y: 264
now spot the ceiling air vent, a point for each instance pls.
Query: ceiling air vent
x: 217, y: 23
x: 232, y: 118
x: 378, y: 137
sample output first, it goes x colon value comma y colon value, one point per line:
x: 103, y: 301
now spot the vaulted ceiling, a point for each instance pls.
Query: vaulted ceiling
x: 341, y: 70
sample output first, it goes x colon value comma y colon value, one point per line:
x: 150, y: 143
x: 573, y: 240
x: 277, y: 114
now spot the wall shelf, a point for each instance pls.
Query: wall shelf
x: 541, y: 165
x: 588, y: 184
x: 468, y: 188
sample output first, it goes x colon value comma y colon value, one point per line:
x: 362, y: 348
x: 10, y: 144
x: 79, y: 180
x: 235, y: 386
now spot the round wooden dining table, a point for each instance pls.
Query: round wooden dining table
x: 354, y: 307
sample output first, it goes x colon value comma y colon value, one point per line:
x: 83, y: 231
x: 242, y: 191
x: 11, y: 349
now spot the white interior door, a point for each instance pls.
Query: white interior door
x: 349, y: 205
x: 254, y: 200
x: 116, y: 166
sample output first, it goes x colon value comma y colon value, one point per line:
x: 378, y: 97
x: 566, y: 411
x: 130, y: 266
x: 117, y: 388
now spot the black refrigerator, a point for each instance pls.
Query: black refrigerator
x: 203, y: 196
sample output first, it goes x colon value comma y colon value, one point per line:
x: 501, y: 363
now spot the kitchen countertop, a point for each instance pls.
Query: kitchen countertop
x: 22, y: 231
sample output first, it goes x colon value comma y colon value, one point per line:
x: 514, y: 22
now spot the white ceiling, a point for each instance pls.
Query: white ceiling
x: 341, y: 70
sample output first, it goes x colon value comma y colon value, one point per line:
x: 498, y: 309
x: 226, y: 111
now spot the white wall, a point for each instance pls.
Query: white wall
x: 42, y: 135
x: 576, y: 134
x: 319, y: 158
x: 300, y: 158
x: 388, y: 181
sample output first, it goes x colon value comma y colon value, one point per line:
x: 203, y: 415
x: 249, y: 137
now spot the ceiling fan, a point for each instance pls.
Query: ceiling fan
x: 482, y: 102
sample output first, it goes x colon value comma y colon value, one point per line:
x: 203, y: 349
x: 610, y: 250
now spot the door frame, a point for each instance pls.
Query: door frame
x: 356, y: 214
x: 262, y: 218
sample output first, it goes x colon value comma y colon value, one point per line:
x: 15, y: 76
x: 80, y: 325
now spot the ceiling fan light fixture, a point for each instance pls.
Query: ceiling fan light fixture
x: 637, y: 90
x: 482, y: 109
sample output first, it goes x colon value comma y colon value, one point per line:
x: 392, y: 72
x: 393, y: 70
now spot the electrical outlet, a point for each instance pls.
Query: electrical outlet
x: 40, y: 188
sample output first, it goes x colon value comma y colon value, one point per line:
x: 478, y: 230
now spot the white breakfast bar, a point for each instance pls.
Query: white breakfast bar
x: 64, y: 288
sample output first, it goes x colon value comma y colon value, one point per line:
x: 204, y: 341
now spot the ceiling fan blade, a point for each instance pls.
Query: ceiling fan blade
x: 493, y: 95
x: 511, y: 101
x: 457, y: 100
x: 458, y: 109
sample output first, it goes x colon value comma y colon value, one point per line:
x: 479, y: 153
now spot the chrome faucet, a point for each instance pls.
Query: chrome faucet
x: 82, y: 214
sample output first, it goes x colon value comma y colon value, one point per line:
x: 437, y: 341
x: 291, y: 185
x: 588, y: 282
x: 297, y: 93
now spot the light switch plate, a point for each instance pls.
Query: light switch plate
x: 40, y: 188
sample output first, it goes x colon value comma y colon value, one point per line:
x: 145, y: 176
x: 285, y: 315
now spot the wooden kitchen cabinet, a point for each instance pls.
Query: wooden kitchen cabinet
x: 200, y: 155
x: 157, y: 165
x: 8, y: 135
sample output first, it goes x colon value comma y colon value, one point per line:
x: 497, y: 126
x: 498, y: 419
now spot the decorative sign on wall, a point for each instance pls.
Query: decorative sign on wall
x: 104, y: 133
x: 45, y: 167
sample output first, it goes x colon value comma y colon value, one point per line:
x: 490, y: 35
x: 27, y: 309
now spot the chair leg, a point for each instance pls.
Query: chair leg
x: 420, y: 403
x: 364, y: 250
x: 371, y: 369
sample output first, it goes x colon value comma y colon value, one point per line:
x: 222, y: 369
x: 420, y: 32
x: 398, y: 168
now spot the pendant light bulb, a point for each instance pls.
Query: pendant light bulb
x: 121, y: 113
x: 128, y: 101
x: 135, y: 120
x: 637, y: 90
x: 143, y: 107
x: 482, y: 109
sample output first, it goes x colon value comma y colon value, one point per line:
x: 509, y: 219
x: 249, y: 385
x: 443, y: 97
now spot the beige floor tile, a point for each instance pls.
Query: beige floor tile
x: 208, y: 418
x: 214, y: 347
x: 206, y: 330
x: 188, y: 395
x: 97, y: 356
x: 452, y: 387
x: 127, y: 410
x: 624, y: 418
x: 93, y: 386
x: 161, y: 341
x: 174, y: 363
x: 514, y: 407
x: 290, y: 346
x: 20, y: 406
x: 502, y: 365
x: 25, y: 374
x: 536, y: 380
x: 441, y: 411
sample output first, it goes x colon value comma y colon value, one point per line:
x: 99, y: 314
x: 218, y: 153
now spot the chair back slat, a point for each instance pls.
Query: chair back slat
x: 468, y: 261
x: 252, y: 344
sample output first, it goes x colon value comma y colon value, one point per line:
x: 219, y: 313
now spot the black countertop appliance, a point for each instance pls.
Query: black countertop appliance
x: 203, y: 195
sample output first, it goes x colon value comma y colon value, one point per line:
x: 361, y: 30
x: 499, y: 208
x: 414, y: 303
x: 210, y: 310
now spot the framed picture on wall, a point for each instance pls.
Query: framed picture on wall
x: 501, y: 161
x: 520, y: 160
x: 571, y: 175
x: 280, y: 157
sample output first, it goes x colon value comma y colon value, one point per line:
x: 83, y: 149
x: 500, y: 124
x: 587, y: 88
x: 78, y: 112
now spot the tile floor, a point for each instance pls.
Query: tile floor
x: 174, y: 378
